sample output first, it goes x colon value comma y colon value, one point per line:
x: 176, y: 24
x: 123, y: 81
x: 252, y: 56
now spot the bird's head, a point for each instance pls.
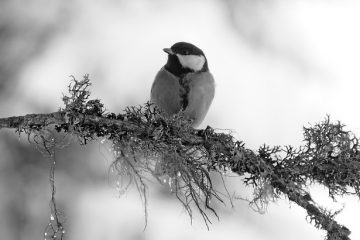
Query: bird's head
x: 185, y: 57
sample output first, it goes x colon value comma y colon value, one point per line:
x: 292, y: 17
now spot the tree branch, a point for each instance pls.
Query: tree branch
x: 145, y: 142
x: 38, y: 121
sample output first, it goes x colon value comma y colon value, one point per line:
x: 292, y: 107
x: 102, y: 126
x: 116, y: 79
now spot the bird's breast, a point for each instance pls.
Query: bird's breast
x: 184, y: 90
x: 165, y: 92
x: 191, y: 93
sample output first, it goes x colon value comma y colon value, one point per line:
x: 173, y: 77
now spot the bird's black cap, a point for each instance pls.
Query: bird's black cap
x: 185, y: 48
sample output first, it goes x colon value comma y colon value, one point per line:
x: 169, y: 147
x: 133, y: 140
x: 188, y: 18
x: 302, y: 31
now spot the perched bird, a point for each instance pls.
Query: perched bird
x: 184, y: 84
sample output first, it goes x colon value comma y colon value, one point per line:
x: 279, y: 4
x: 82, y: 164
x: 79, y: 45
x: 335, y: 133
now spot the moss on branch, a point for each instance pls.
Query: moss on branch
x: 145, y: 143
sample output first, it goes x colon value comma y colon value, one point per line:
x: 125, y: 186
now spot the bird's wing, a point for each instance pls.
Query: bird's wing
x: 165, y: 92
x: 200, y: 96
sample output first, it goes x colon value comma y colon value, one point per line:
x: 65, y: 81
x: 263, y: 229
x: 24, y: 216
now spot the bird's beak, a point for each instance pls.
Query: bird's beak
x: 168, y: 51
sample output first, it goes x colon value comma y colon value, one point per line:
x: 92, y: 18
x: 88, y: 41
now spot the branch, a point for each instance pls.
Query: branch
x: 42, y: 120
x: 145, y: 143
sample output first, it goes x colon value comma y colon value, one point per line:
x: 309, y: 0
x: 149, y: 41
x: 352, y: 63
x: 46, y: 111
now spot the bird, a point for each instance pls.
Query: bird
x: 184, y: 84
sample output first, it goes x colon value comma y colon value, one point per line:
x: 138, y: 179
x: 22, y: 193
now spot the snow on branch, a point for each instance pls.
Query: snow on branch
x: 147, y: 144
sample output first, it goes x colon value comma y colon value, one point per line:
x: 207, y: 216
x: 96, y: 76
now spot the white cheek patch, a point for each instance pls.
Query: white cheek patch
x: 193, y: 62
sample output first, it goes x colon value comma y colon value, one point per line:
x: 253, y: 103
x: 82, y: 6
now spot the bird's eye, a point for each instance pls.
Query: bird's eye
x: 185, y: 52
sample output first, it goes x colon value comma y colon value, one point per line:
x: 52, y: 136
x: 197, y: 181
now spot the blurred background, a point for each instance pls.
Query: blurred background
x: 278, y: 64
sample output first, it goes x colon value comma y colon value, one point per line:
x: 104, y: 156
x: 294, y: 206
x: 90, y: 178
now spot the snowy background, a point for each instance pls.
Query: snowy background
x: 278, y: 65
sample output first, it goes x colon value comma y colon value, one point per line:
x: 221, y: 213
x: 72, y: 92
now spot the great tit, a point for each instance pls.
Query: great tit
x: 184, y: 84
